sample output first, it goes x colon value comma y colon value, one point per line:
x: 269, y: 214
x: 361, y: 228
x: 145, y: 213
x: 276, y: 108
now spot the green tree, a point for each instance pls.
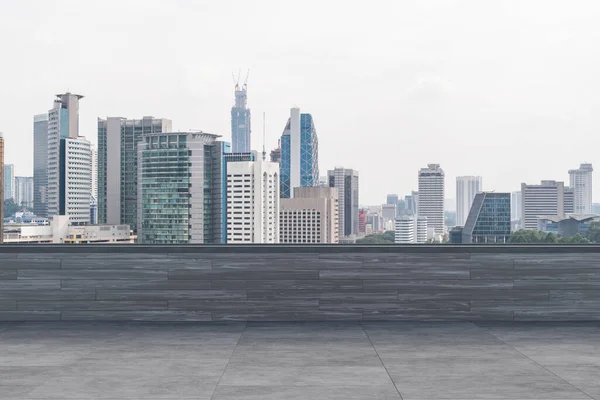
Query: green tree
x: 527, y: 236
x: 550, y: 238
x: 578, y: 239
x: 10, y: 207
x: 593, y: 234
x: 378, y: 238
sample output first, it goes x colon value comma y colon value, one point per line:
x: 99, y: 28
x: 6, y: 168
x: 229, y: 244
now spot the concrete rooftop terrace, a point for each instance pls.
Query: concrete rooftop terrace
x: 310, y: 360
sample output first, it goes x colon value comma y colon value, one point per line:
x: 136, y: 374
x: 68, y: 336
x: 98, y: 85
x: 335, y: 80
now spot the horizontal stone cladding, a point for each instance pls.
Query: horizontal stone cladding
x: 299, y: 283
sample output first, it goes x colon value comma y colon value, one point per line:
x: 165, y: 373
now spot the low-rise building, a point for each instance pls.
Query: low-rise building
x: 311, y: 216
x: 568, y: 225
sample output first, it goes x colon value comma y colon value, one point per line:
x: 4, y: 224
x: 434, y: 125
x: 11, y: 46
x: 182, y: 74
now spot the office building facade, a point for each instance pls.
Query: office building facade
x: 24, y: 191
x: 9, y: 181
x: 545, y: 199
x: 241, y: 133
x: 431, y: 197
x: 252, y: 202
x: 40, y: 165
x: 391, y: 199
x: 410, y: 229
x: 489, y: 219
x: 346, y: 182
x: 516, y: 203
x: 117, y: 187
x: 299, y: 153
x: 94, y: 156
x: 311, y: 216
x: 180, y: 183
x: 466, y: 189
x: 75, y: 184
x: 569, y: 201
x: 580, y: 180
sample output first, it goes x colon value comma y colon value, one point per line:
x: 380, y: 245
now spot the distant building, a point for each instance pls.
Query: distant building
x: 59, y: 231
x: 180, y: 188
x: 94, y: 152
x: 24, y: 191
x: 241, y: 139
x: 410, y: 229
x: 581, y: 182
x: 93, y: 211
x: 346, y: 182
x: 455, y: 235
x: 299, y: 153
x: 489, y: 219
x: 1, y: 186
x: 275, y: 155
x: 9, y: 181
x: 362, y: 221
x: 40, y: 164
x: 311, y: 216
x: 118, y: 141
x: 431, y: 197
x: 389, y: 212
x: 516, y: 204
x: 411, y: 202
x: 253, y: 202
x: 392, y: 199
x: 596, y: 208
x: 568, y: 225
x: 373, y: 223
x: 545, y: 199
x: 569, y: 201
x: 466, y: 189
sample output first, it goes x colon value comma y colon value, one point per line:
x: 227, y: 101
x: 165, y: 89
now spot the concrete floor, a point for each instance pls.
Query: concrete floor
x: 299, y: 361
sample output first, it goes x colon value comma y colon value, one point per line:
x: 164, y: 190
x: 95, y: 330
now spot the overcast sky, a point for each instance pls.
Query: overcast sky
x: 509, y: 90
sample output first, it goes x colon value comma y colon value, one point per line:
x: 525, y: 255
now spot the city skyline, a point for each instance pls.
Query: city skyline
x: 437, y: 103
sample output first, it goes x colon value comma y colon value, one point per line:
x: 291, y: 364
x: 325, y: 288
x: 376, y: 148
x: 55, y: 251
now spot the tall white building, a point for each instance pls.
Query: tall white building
x: 581, y: 183
x: 411, y: 229
x: 431, y: 196
x: 75, y: 192
x: 466, y: 189
x: 252, y: 202
x: 311, y: 216
x: 94, y: 152
x: 546, y: 199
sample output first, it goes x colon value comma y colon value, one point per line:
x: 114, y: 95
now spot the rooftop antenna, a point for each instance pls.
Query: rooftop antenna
x: 246, y: 80
x: 264, y: 153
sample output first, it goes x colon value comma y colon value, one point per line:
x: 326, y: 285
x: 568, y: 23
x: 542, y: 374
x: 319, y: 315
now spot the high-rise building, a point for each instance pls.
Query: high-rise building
x: 1, y: 189
x: 431, y: 197
x: 311, y: 216
x: 373, y: 223
x: 252, y: 202
x: 422, y: 229
x: 516, y: 202
x: 389, y: 212
x: 581, y: 183
x: 117, y: 188
x: 63, y: 123
x: 24, y: 191
x: 275, y: 155
x: 299, y: 153
x: 466, y: 189
x: 40, y: 165
x: 546, y: 199
x: 392, y: 199
x: 180, y: 188
x: 346, y: 182
x: 9, y: 181
x: 94, y: 152
x: 240, y: 121
x: 489, y: 219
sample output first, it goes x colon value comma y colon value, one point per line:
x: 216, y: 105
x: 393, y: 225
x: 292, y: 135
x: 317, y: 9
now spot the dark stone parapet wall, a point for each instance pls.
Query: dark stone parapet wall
x: 299, y: 283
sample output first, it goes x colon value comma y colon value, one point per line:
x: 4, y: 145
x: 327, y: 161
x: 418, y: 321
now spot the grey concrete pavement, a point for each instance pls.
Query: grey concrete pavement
x: 299, y: 361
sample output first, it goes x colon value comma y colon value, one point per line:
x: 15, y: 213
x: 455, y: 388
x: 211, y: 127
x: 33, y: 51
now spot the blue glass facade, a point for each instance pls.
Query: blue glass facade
x: 309, y: 156
x: 489, y: 219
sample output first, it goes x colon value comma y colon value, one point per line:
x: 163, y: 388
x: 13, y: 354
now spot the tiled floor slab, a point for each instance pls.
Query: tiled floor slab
x: 299, y: 361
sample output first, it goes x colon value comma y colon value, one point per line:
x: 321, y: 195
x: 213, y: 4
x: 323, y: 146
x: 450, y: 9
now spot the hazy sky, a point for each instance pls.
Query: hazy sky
x: 509, y: 90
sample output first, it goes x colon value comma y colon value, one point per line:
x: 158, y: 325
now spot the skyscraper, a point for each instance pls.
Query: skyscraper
x: 299, y: 153
x: 180, y: 185
x: 24, y: 191
x: 118, y: 140
x: 40, y: 165
x: 466, y: 189
x: 94, y: 152
x: 515, y: 206
x: 9, y: 181
x: 489, y: 219
x: 431, y: 197
x: 310, y: 217
x: 252, y: 202
x: 391, y: 199
x: 346, y: 182
x: 240, y: 121
x: 546, y: 199
x: 581, y: 183
x: 69, y: 162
